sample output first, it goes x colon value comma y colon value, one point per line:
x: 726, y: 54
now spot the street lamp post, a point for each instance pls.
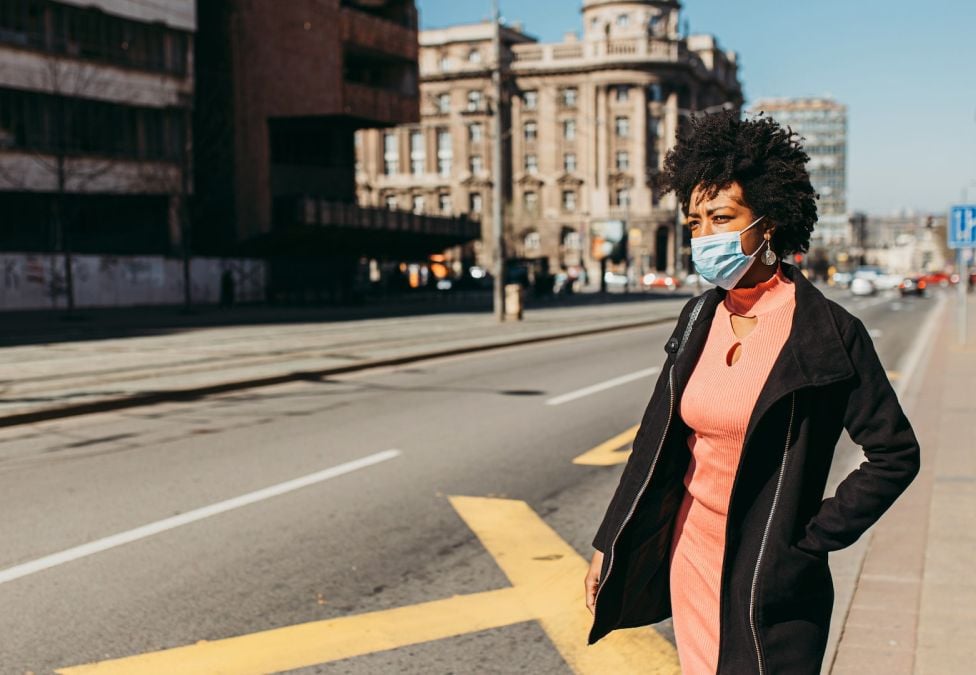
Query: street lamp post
x: 497, y: 174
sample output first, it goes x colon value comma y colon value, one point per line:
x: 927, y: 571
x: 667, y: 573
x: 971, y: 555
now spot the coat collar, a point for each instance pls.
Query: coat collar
x: 814, y: 353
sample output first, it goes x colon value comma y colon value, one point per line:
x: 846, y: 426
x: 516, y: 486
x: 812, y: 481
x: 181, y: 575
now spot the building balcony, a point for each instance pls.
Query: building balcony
x: 573, y: 55
x: 379, y: 106
x: 369, y: 31
x: 318, y: 224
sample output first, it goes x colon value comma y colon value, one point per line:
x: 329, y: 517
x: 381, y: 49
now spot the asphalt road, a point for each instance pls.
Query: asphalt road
x: 366, y: 538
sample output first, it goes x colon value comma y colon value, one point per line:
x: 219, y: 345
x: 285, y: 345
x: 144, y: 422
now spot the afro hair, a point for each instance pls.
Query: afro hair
x: 766, y: 160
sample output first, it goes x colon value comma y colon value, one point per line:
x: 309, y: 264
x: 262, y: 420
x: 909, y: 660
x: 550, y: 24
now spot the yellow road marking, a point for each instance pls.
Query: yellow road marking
x: 547, y: 586
x: 608, y: 453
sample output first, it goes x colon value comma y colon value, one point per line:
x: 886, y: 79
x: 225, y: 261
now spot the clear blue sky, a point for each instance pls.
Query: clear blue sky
x: 906, y: 70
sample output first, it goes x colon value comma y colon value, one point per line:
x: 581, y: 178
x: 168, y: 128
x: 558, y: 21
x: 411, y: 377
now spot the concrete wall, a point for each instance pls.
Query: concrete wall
x: 36, y: 280
x: 173, y: 13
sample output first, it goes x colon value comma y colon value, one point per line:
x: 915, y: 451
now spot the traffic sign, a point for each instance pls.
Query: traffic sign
x: 962, y: 226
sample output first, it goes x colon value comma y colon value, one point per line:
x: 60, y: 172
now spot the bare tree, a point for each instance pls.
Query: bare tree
x: 58, y: 156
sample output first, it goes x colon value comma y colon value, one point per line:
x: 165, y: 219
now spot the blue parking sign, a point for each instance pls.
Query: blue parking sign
x: 962, y: 226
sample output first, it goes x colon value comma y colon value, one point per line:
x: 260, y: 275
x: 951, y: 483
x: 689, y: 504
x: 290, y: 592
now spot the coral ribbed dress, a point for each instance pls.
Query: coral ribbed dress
x: 716, y: 406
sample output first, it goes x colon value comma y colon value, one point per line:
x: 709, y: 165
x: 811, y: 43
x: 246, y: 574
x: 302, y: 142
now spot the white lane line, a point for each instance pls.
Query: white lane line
x: 159, y: 526
x: 602, y: 386
x: 909, y: 364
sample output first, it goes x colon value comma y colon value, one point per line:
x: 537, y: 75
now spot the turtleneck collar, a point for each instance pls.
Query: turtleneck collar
x: 761, y: 298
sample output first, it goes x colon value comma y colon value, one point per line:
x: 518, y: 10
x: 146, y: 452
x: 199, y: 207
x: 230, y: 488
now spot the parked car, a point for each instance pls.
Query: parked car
x: 912, y: 286
x: 861, y: 286
x: 660, y: 281
x: 842, y: 279
x: 614, y: 280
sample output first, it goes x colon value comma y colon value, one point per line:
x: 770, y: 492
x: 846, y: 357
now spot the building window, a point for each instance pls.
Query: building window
x: 476, y: 101
x: 91, y: 34
x: 445, y: 62
x: 445, y: 153
x: 476, y: 165
x: 622, y: 197
x: 418, y: 204
x: 391, y: 154
x: 533, y: 242
x: 530, y: 100
x: 623, y: 20
x: 655, y: 93
x: 444, y: 203
x: 569, y: 201
x: 28, y: 121
x: 530, y: 202
x: 532, y: 164
x: 474, y: 202
x: 569, y: 130
x: 531, y: 131
x: 391, y: 203
x: 572, y: 241
x: 568, y: 96
x: 443, y: 103
x: 652, y: 127
x: 417, y: 155
x: 474, y: 56
x: 621, y: 126
x: 621, y: 93
x: 623, y: 160
x: 569, y: 162
x: 476, y: 132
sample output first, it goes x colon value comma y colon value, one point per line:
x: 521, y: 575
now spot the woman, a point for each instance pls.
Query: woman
x: 719, y: 517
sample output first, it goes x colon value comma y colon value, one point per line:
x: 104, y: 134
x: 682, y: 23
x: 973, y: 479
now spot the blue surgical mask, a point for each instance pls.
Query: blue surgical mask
x: 719, y: 257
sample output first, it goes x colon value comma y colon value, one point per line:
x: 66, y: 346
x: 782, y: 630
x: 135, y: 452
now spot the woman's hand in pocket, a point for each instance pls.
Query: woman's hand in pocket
x: 592, y: 581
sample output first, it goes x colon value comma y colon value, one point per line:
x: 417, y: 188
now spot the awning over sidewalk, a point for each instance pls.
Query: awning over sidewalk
x: 309, y: 227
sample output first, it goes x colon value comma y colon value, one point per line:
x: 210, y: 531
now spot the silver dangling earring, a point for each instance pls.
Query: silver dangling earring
x: 768, y: 257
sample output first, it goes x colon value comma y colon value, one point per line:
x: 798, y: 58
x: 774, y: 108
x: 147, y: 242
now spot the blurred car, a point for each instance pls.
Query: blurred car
x: 877, y: 276
x: 842, y: 279
x: 614, y: 280
x: 912, y: 286
x: 861, y: 286
x: 942, y: 279
x: 660, y: 281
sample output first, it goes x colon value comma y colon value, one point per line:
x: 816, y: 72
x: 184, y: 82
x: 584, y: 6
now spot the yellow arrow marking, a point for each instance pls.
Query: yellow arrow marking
x: 608, y: 453
x: 547, y: 586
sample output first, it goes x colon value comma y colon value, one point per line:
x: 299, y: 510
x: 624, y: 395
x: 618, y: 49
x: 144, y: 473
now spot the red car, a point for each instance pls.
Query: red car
x: 942, y: 279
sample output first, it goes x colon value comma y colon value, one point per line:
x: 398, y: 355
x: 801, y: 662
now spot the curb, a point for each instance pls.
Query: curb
x: 178, y: 395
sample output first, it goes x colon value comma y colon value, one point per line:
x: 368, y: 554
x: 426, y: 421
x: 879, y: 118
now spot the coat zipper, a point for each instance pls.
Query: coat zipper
x: 762, y: 547
x: 640, y: 493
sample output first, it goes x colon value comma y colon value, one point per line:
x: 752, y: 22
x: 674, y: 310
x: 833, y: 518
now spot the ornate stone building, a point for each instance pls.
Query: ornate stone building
x: 588, y: 122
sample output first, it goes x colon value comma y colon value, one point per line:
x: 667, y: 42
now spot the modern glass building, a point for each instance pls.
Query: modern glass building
x: 822, y: 123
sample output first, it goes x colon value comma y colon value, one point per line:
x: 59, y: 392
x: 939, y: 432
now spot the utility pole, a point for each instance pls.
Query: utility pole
x: 497, y: 173
x: 186, y: 162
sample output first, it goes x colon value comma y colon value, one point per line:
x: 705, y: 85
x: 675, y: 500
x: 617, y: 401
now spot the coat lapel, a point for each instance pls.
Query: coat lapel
x: 814, y: 354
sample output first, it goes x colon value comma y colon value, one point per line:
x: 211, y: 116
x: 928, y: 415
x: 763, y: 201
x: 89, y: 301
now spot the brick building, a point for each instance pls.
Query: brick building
x: 283, y: 86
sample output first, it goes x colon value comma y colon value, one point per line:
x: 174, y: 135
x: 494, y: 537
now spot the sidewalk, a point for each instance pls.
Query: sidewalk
x: 914, y: 602
x: 54, y: 379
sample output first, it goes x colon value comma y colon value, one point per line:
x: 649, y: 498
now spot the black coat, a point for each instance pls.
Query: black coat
x: 777, y: 593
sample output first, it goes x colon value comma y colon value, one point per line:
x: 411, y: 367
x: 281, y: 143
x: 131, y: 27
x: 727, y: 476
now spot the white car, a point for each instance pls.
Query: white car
x: 861, y: 286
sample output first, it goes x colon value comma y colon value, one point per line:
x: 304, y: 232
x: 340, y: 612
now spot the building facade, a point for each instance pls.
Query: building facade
x: 822, y: 123
x: 588, y: 121
x: 94, y: 124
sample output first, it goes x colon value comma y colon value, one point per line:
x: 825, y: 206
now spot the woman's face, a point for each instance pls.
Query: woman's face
x: 726, y: 212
